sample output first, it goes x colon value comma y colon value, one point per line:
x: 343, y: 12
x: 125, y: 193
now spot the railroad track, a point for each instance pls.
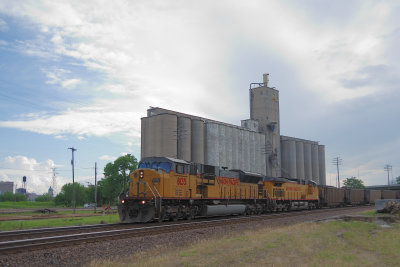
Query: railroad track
x: 65, y: 236
x: 43, y: 232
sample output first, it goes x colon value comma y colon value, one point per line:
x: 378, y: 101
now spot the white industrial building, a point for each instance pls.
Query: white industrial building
x: 255, y: 146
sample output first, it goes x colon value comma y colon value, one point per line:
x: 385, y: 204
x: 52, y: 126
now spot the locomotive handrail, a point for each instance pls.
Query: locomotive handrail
x: 155, y: 188
x: 155, y: 203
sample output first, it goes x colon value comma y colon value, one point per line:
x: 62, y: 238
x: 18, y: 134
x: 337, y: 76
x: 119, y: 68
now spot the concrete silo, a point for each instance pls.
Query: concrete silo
x: 300, y: 159
x: 321, y: 161
x: 183, y: 135
x: 211, y: 156
x: 307, y: 161
x: 315, y: 163
x: 197, y: 141
x: 165, y: 132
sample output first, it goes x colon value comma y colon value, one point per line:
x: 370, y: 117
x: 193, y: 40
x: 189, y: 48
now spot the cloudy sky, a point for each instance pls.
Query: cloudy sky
x: 82, y: 73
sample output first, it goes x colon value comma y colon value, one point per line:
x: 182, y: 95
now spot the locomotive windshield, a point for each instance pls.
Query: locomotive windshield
x: 163, y: 166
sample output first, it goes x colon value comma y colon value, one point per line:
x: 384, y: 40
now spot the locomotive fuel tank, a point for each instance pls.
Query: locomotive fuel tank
x: 218, y: 210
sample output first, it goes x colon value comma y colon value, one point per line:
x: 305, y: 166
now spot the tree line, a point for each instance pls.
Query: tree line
x: 115, y: 181
x: 355, y: 183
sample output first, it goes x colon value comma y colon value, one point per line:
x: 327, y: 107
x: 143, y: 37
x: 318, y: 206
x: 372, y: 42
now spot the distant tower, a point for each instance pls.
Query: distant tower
x: 54, y: 182
x: 264, y: 108
x: 24, y: 182
x: 50, y: 192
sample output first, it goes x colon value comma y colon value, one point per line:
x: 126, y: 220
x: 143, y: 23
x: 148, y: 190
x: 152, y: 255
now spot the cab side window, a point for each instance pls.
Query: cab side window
x: 180, y: 169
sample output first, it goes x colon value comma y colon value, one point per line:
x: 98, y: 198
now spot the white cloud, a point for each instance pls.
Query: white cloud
x: 108, y: 158
x: 3, y: 25
x: 58, y: 76
x: 39, y: 174
x: 71, y: 83
x: 87, y: 121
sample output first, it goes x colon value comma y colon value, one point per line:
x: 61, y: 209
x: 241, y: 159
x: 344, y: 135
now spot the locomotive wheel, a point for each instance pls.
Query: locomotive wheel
x: 189, y: 215
x: 162, y: 217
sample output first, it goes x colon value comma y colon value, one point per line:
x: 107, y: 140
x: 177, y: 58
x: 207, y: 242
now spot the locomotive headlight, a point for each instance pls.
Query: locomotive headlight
x: 123, y: 201
x: 143, y: 202
x: 141, y: 174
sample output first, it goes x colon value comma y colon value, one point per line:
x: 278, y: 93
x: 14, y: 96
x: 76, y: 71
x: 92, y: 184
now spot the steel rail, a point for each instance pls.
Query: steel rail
x: 12, y: 235
x: 16, y: 246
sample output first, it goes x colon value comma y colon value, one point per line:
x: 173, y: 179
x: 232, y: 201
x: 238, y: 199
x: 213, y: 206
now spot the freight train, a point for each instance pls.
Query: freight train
x: 165, y: 188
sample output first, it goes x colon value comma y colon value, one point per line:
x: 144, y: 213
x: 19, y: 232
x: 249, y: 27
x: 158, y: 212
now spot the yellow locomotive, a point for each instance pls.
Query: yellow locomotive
x: 165, y: 188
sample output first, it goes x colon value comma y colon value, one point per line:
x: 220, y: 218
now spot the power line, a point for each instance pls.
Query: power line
x: 337, y: 161
x: 73, y: 177
x: 388, y: 168
x: 15, y: 169
x: 49, y: 170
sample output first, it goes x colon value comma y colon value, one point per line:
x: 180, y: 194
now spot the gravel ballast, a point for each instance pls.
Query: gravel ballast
x: 82, y: 254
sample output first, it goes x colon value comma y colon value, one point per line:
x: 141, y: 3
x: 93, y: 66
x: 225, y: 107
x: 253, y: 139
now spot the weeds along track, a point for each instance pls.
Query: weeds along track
x: 65, y: 236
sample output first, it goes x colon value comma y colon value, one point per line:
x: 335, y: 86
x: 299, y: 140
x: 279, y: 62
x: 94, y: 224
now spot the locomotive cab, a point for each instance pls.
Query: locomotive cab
x: 149, y: 184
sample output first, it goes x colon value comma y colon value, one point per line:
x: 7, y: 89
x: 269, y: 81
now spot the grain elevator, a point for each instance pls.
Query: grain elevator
x: 255, y: 146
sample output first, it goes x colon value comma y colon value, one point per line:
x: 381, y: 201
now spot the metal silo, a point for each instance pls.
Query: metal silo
x: 321, y: 161
x: 221, y: 145
x: 300, y: 159
x: 292, y: 159
x: 183, y: 135
x: 285, y: 158
x: 252, y: 150
x: 315, y: 163
x: 235, y: 148
x: 260, y: 156
x: 229, y: 147
x: 307, y: 161
x: 246, y: 150
x: 197, y: 138
x: 240, y: 150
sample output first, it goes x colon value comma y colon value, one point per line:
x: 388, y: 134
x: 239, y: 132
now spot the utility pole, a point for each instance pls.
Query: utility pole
x: 95, y: 186
x: 73, y: 179
x: 337, y: 161
x: 388, y: 168
x: 15, y: 196
x: 54, y: 181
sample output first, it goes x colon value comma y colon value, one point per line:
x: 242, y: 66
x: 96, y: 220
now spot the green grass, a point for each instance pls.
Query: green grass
x: 70, y: 221
x: 25, y: 204
x: 369, y: 213
x: 309, y: 244
x: 31, y: 213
